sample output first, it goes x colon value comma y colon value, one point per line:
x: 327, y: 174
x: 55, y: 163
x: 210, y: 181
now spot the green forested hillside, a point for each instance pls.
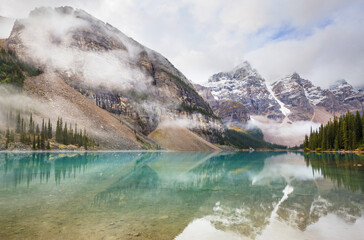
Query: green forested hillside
x: 13, y: 70
x: 242, y: 140
x: 40, y: 137
x: 345, y: 132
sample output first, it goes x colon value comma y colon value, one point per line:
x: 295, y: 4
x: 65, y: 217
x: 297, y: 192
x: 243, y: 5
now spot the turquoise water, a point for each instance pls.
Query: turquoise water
x: 169, y: 195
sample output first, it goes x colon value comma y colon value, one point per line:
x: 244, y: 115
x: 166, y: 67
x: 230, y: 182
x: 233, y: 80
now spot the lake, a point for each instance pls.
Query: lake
x: 172, y: 195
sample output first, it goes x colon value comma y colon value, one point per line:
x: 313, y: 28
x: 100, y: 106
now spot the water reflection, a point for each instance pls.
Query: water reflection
x: 345, y: 170
x: 161, y: 195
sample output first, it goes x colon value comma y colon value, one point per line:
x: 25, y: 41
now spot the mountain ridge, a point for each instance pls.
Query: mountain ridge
x: 137, y: 86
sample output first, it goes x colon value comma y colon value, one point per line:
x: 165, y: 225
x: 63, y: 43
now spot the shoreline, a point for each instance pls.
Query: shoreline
x: 79, y: 151
x: 339, y: 151
x: 164, y: 150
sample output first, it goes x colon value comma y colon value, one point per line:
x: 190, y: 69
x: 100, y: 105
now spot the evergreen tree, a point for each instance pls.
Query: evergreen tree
x: 336, y: 144
x: 49, y: 130
x: 37, y: 131
x: 345, y: 136
x: 358, y: 127
x: 7, y: 135
x: 65, y: 135
x: 18, y: 123
x: 31, y: 124
x: 305, y: 143
x: 38, y: 142
x: 345, y: 132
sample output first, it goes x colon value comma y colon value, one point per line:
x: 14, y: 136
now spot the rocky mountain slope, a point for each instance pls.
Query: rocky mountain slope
x: 244, y: 84
x: 229, y: 111
x: 302, y: 97
x: 299, y: 96
x: 285, y: 109
x: 93, y: 61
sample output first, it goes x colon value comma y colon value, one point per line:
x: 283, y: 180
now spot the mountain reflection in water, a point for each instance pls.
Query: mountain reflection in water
x: 166, y: 195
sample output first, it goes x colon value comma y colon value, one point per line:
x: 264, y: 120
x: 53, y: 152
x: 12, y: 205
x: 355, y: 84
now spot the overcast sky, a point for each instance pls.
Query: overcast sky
x: 322, y: 40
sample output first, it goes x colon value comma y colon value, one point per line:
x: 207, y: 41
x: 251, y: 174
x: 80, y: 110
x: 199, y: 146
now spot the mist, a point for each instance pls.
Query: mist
x: 49, y: 42
x: 14, y: 101
x: 289, y: 134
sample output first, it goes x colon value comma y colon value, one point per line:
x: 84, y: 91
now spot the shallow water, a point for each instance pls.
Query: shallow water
x: 169, y: 195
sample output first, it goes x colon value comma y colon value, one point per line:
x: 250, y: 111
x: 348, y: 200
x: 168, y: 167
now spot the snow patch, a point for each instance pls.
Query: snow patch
x: 283, y: 108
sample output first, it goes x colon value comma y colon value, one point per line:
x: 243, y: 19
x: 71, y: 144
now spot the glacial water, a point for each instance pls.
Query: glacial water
x: 170, y: 195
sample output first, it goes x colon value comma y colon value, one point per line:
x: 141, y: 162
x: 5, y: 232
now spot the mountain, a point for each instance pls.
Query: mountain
x: 244, y: 84
x: 303, y: 98
x: 280, y: 109
x: 229, y: 111
x: 289, y: 91
x: 108, y: 83
x: 345, y: 93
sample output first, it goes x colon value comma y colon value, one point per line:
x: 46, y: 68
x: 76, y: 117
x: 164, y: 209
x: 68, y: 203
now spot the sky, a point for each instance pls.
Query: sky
x: 322, y: 40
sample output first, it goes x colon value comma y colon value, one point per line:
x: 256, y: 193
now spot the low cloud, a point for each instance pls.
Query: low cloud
x: 12, y: 101
x: 289, y: 134
x: 323, y: 43
x: 47, y: 38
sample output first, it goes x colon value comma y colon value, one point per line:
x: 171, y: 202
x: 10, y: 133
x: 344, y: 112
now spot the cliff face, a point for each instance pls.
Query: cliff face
x: 291, y: 96
x: 113, y: 71
x: 301, y: 97
x: 229, y: 111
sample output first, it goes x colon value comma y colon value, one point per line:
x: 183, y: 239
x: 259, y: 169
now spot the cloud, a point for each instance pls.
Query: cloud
x: 289, y: 134
x: 319, y: 39
x: 47, y: 38
x: 6, y: 24
x: 335, y: 52
x: 12, y: 101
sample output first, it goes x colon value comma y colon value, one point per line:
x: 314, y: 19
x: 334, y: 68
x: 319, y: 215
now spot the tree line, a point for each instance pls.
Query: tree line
x: 41, y: 136
x: 67, y: 135
x: 13, y: 70
x: 343, y: 133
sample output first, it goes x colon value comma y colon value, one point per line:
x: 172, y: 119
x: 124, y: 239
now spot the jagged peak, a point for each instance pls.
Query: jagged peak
x: 295, y: 75
x: 64, y: 11
x: 339, y: 83
x: 288, y: 78
x: 244, y: 65
x: 44, y: 11
x: 237, y: 73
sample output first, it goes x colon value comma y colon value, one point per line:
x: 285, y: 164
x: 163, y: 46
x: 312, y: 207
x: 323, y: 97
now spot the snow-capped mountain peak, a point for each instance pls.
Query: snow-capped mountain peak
x: 341, y: 83
x: 245, y: 85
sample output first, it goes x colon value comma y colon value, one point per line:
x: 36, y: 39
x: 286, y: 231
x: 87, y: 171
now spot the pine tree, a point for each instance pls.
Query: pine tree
x: 305, y: 143
x: 65, y: 135
x: 49, y: 130
x: 31, y: 126
x: 353, y: 140
x: 345, y: 136
x: 358, y: 127
x: 336, y: 144
x: 37, y: 131
x: 38, y: 142
x: 18, y: 124
x: 57, y: 131
x: 7, y: 135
